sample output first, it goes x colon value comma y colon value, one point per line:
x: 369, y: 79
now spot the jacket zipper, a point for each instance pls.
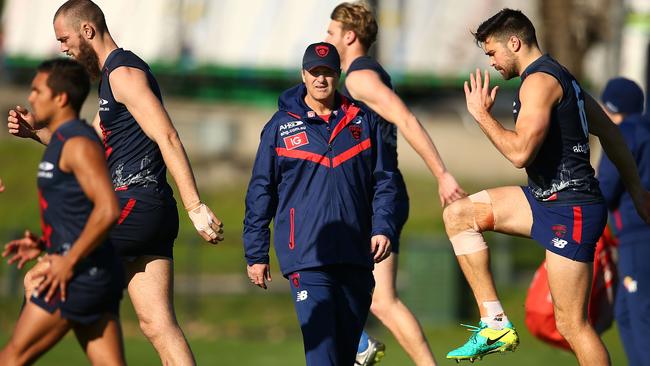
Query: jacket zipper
x: 292, y: 242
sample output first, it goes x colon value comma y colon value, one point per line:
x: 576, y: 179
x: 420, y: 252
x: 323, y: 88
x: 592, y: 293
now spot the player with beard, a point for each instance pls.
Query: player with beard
x: 140, y: 145
x: 561, y: 208
x: 78, y: 284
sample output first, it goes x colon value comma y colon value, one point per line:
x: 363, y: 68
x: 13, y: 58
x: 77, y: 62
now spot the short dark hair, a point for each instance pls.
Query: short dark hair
x: 506, y: 23
x: 66, y: 75
x: 77, y: 11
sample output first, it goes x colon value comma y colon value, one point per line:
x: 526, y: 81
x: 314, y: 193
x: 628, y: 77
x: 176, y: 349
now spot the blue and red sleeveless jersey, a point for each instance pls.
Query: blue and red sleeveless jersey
x: 388, y: 130
x: 64, y: 206
x: 561, y: 172
x: 134, y: 160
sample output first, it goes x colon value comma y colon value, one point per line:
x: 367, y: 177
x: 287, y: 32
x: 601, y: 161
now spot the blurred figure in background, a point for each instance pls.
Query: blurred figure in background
x: 140, y: 144
x: 78, y: 285
x: 323, y: 175
x: 622, y: 100
x: 561, y: 208
x: 353, y: 30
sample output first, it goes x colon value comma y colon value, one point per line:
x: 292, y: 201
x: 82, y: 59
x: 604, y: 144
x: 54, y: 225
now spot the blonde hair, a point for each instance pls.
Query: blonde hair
x: 357, y: 17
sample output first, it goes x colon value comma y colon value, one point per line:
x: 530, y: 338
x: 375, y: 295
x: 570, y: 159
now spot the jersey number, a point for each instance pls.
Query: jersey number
x: 581, y: 108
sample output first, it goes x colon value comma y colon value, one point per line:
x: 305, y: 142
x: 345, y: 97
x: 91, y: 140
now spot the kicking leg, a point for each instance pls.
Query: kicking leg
x: 570, y: 284
x: 36, y: 331
x: 503, y: 210
x: 150, y: 285
x: 387, y: 307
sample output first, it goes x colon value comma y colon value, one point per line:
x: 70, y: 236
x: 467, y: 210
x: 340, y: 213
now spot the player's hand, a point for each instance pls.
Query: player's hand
x: 20, y: 123
x: 208, y: 226
x: 259, y: 273
x: 478, y: 96
x: 22, y: 250
x: 449, y: 190
x: 380, y: 247
x: 56, y: 276
x: 2, y: 186
x: 34, y: 277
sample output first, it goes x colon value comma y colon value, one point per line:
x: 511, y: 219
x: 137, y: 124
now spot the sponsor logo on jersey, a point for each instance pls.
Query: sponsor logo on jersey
x: 102, y: 103
x: 581, y: 148
x: 295, y: 141
x: 45, y: 170
x: 559, y: 243
x: 301, y: 295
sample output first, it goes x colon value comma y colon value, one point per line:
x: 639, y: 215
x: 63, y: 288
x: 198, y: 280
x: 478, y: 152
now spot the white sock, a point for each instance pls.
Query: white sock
x: 496, y: 318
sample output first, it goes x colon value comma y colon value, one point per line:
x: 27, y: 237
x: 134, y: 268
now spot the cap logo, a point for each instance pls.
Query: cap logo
x: 322, y: 50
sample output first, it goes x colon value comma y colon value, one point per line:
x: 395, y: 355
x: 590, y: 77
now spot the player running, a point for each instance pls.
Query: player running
x: 80, y: 280
x: 562, y: 207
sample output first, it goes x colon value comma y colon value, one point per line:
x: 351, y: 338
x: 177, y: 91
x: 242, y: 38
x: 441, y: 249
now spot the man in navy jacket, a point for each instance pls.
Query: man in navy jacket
x: 322, y: 174
x: 623, y: 102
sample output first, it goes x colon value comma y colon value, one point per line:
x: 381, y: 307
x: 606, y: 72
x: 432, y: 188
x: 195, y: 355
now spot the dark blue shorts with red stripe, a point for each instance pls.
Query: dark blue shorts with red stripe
x: 568, y: 230
x: 145, y: 229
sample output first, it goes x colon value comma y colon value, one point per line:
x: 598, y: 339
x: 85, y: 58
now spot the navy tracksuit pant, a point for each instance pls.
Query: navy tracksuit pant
x: 332, y: 304
x: 632, y: 308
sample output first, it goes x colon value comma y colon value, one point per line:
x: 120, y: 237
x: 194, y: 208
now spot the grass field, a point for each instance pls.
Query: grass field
x: 257, y: 328
x: 260, y: 329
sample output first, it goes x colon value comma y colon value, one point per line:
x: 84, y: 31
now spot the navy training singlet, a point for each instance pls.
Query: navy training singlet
x: 561, y: 172
x: 134, y: 160
x: 64, y: 206
x: 389, y: 130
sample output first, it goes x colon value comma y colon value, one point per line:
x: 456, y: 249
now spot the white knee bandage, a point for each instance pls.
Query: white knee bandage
x: 470, y: 240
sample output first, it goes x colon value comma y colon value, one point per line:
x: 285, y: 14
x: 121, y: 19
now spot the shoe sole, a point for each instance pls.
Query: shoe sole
x: 501, y: 350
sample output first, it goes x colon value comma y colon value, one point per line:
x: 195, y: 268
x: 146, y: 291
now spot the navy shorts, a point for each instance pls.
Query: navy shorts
x: 332, y: 304
x: 571, y: 231
x: 92, y: 293
x: 145, y: 228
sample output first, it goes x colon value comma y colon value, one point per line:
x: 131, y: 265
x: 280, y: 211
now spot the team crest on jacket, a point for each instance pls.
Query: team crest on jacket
x: 355, y: 128
x: 297, y: 140
x: 356, y: 131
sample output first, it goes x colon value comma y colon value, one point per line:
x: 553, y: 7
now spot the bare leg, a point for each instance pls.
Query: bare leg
x: 387, y: 307
x: 570, y: 284
x: 509, y: 213
x: 151, y: 283
x: 102, y: 341
x: 36, y: 331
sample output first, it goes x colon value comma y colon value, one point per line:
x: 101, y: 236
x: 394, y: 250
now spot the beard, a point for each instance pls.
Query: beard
x: 89, y: 59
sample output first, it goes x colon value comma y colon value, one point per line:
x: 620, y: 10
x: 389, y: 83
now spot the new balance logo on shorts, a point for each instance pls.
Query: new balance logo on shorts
x: 301, y: 296
x: 559, y: 243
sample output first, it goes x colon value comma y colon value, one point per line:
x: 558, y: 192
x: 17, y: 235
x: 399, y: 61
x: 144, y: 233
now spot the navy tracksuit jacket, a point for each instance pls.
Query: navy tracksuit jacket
x: 328, y: 186
x: 632, y: 308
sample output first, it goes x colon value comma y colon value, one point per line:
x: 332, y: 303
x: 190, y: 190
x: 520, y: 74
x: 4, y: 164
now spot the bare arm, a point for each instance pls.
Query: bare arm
x: 131, y: 88
x: 538, y: 94
x: 617, y: 151
x: 367, y: 87
x: 85, y: 160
